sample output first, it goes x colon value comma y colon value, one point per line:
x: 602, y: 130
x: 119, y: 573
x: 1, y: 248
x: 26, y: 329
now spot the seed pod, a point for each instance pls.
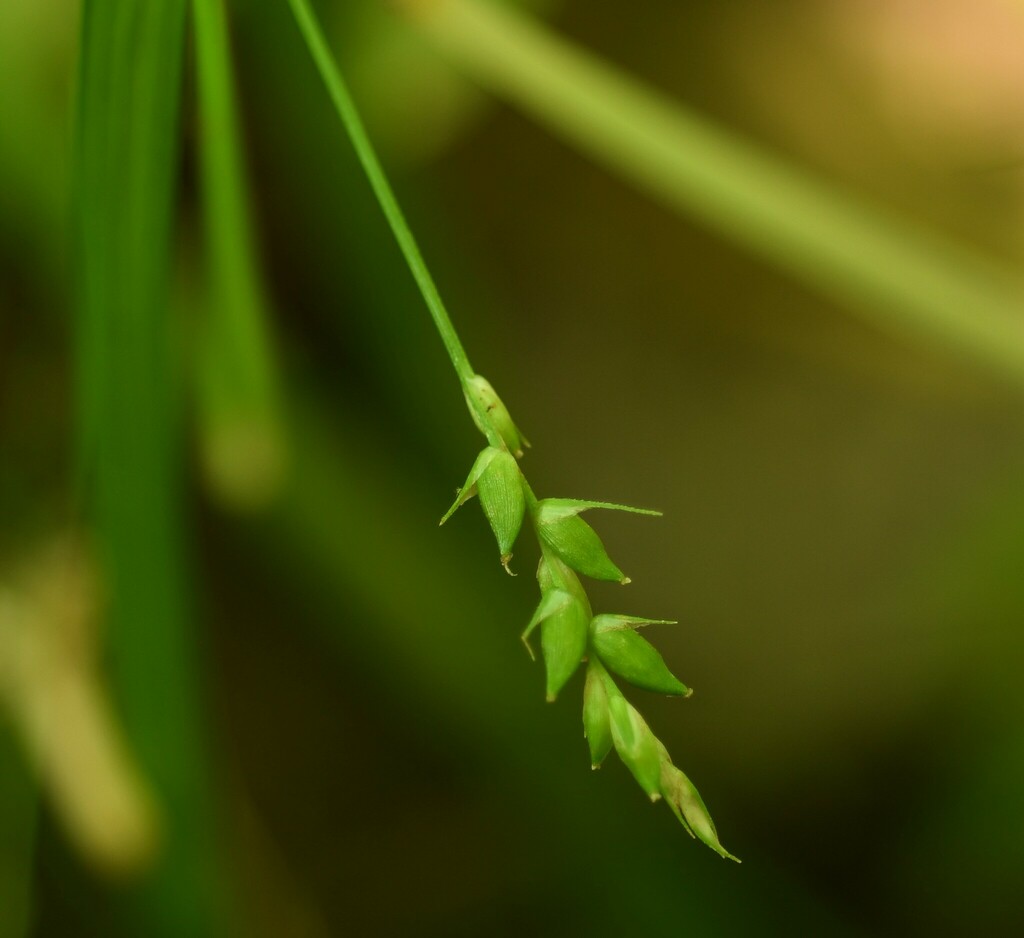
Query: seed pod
x: 563, y: 640
x: 553, y: 574
x: 501, y: 495
x: 597, y: 725
x: 563, y: 620
x: 631, y: 656
x: 490, y: 414
x: 636, y: 745
x: 575, y: 541
x: 688, y: 806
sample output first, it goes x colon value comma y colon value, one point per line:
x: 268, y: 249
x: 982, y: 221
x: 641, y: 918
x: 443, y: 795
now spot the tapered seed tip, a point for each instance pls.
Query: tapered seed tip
x: 655, y: 796
x: 505, y: 559
x: 625, y: 581
x: 550, y: 698
x: 594, y: 768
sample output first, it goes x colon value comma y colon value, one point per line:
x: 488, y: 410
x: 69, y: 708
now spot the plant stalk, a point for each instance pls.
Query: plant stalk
x: 345, y: 106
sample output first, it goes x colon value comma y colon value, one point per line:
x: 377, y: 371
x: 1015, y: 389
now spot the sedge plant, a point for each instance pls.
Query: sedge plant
x: 570, y: 632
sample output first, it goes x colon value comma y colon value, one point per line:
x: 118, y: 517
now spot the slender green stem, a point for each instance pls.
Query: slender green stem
x: 893, y: 274
x: 346, y: 109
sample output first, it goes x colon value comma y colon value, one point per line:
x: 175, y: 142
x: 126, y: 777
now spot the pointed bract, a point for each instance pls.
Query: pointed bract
x: 567, y: 507
x: 469, y: 489
x: 607, y: 622
x: 555, y: 600
x: 634, y: 658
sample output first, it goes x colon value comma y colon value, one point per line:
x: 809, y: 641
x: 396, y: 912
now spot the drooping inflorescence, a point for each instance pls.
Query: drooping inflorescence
x: 570, y: 632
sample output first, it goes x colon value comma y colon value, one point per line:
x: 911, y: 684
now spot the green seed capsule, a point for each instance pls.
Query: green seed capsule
x: 563, y: 640
x: 688, y: 806
x: 490, y: 414
x: 563, y: 620
x: 632, y: 657
x: 500, y: 487
x: 636, y: 745
x: 577, y: 543
x: 597, y: 725
x: 495, y: 476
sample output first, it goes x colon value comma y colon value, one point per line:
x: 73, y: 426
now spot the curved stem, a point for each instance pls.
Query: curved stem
x: 344, y: 105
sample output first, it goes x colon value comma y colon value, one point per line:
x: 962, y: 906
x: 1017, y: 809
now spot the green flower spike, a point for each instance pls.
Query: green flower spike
x: 490, y: 414
x: 632, y: 657
x: 568, y: 629
x: 562, y: 530
x: 563, y: 615
x: 495, y: 477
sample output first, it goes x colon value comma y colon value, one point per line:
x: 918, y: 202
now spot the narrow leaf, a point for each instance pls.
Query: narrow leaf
x: 893, y: 274
x: 243, y: 436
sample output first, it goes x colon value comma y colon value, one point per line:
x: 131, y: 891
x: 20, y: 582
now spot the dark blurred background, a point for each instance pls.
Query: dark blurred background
x: 843, y: 512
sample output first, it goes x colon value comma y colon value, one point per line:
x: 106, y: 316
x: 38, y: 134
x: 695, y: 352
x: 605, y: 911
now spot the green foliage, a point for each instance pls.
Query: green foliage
x: 896, y: 276
x: 129, y: 445
x: 242, y: 431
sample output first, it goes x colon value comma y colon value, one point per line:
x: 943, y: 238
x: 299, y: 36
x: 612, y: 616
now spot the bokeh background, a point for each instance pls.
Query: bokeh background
x: 843, y: 521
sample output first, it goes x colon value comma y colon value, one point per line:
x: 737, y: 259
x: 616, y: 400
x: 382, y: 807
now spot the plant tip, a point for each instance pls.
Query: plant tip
x: 505, y: 563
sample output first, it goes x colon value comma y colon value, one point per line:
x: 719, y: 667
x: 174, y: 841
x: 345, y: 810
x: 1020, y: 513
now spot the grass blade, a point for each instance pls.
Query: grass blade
x: 128, y: 425
x: 896, y: 276
x: 17, y: 838
x: 243, y: 437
